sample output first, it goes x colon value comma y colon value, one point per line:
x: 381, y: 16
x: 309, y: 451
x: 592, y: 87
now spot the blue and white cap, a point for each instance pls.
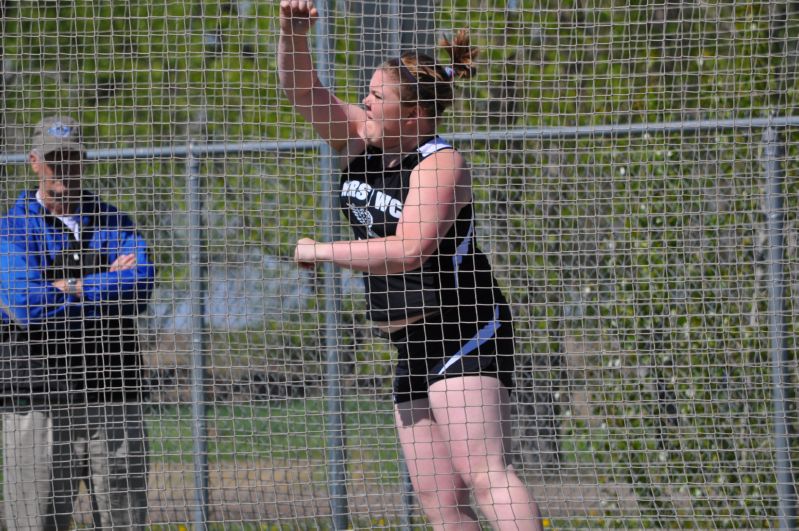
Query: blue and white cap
x: 57, y: 133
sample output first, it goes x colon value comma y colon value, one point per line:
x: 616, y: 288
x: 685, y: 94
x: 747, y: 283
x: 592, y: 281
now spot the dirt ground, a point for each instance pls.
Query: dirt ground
x: 293, y: 495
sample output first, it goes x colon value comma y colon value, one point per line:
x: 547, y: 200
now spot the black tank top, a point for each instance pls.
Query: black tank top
x: 457, y: 274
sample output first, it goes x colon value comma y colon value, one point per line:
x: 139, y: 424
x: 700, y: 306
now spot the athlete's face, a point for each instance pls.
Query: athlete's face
x: 384, y: 112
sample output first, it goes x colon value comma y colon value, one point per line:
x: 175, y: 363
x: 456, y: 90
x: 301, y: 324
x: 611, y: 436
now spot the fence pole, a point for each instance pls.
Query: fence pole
x: 336, y: 459
x: 396, y: 42
x: 773, y: 153
x: 198, y: 289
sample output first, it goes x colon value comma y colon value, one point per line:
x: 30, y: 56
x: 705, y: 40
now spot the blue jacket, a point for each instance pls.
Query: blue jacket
x: 30, y: 241
x: 56, y: 342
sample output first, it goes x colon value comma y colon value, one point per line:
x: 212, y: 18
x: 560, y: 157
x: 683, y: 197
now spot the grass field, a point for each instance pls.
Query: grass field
x: 286, y: 429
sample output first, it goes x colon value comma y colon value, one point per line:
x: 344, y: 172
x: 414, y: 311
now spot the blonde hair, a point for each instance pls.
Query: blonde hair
x: 428, y: 83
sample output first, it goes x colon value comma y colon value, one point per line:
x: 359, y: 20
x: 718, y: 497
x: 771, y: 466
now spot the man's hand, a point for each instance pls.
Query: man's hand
x: 74, y: 288
x: 123, y: 263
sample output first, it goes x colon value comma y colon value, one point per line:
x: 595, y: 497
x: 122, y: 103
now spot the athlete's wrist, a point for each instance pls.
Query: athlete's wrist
x: 323, y: 252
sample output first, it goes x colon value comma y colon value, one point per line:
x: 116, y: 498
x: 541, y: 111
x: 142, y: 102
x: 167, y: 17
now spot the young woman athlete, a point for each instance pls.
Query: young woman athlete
x: 407, y: 195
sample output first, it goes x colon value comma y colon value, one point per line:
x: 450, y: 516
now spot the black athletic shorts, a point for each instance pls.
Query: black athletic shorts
x: 456, y: 342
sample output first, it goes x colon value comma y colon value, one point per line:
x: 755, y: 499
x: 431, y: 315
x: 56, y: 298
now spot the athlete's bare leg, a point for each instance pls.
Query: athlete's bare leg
x: 472, y: 417
x: 443, y: 496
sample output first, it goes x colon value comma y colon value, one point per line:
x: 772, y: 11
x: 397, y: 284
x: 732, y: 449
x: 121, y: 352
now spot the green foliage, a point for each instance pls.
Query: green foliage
x: 600, y: 62
x: 661, y: 265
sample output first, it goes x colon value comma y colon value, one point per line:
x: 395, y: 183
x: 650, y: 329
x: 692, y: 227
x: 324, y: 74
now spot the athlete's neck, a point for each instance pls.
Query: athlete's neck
x: 393, y: 155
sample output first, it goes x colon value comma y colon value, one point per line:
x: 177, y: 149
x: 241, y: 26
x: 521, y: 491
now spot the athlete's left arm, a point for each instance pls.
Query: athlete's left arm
x: 439, y: 187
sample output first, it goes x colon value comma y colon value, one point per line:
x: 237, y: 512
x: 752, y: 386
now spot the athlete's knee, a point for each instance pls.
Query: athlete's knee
x: 442, y: 504
x: 483, y: 482
x: 439, y: 489
x: 476, y: 470
x: 446, y: 506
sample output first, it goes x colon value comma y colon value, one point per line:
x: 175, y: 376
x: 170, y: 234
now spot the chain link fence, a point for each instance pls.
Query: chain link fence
x: 631, y: 166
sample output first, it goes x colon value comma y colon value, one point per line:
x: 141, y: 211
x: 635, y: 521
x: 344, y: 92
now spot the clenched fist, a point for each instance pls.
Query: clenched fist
x: 297, y: 16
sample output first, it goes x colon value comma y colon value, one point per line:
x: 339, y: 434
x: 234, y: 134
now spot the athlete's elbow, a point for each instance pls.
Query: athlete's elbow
x: 411, y: 261
x: 403, y: 255
x: 399, y: 266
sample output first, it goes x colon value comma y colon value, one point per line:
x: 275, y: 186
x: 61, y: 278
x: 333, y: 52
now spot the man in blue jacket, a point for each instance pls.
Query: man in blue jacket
x: 74, y: 274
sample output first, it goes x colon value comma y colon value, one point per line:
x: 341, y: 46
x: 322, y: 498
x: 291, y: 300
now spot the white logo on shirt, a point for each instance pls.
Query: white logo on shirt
x: 364, y: 192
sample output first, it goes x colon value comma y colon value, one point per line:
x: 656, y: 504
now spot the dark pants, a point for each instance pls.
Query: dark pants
x: 48, y: 452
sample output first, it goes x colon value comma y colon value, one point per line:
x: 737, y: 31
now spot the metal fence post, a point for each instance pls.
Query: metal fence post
x: 198, y: 289
x: 774, y: 174
x: 336, y: 458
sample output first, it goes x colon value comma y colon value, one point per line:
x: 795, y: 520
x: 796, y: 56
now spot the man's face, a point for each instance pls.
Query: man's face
x: 59, y: 179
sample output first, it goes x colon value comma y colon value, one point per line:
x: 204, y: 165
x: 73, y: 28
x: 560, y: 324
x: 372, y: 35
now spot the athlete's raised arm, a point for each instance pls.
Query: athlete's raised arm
x: 337, y: 122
